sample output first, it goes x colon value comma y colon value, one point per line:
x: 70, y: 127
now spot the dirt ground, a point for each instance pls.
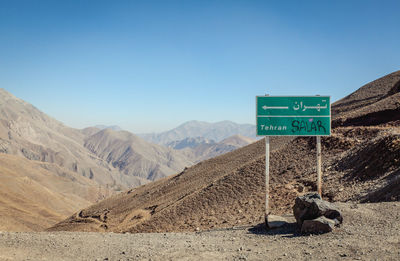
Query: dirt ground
x: 369, y: 232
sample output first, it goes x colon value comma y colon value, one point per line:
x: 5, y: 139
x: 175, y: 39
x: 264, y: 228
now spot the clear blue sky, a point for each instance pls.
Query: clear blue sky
x: 151, y: 65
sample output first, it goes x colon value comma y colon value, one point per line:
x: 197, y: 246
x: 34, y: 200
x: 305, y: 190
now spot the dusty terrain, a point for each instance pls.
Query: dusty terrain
x: 229, y: 190
x: 361, y: 162
x: 35, y: 195
x: 204, y: 202
x: 48, y: 171
x: 369, y: 232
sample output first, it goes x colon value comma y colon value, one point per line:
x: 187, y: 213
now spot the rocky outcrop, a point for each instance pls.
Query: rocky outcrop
x: 318, y: 225
x: 315, y: 215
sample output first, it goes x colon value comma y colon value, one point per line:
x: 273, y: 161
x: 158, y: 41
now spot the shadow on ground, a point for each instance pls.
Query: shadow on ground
x: 288, y: 230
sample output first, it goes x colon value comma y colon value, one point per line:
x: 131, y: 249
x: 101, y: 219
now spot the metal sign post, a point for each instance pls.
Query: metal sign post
x: 266, y: 179
x: 319, y: 161
x: 292, y: 116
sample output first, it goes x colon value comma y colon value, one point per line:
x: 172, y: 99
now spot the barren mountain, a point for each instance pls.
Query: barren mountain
x: 34, y: 145
x: 360, y: 163
x: 117, y: 159
x: 135, y: 157
x: 211, y: 131
x: 375, y: 103
x: 28, y: 132
x: 35, y: 195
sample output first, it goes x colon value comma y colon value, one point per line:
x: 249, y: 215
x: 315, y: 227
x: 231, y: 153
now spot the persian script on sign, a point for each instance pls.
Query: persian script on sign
x: 293, y: 115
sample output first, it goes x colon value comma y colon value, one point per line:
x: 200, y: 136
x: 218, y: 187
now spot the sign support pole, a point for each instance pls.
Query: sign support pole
x: 266, y: 180
x: 292, y: 116
x: 319, y: 171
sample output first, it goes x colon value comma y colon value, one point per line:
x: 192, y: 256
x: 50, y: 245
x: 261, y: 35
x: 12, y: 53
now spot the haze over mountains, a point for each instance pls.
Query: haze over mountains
x: 210, y: 131
x: 112, y: 127
x: 200, y: 140
x: 200, y: 149
x: 360, y: 163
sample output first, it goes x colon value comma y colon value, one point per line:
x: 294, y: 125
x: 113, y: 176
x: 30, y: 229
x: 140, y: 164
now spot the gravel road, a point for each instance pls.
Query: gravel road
x: 369, y: 232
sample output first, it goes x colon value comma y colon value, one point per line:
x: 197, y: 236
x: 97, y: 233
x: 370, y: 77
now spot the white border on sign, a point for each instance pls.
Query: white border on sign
x: 286, y: 96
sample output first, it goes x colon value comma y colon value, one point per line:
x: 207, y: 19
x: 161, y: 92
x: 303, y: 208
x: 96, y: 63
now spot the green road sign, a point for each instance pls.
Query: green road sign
x: 293, y: 116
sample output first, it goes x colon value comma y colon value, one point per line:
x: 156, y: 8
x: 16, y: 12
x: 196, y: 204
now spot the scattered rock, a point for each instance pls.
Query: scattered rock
x: 275, y: 221
x: 318, y: 226
x: 311, y: 206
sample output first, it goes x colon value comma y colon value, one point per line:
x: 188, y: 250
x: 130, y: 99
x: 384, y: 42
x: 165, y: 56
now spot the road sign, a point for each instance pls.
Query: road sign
x: 293, y: 115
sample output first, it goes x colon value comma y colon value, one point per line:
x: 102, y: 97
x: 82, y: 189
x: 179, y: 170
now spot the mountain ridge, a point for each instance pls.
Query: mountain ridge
x: 40, y: 145
x: 124, y: 150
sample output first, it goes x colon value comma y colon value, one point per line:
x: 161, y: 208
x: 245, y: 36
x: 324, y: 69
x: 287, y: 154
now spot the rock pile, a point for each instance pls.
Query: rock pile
x: 315, y: 215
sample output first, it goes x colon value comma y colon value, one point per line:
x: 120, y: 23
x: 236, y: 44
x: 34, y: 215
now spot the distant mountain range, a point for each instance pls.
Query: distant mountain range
x: 26, y: 131
x: 73, y: 167
x: 199, y: 148
x: 40, y: 153
x: 189, y: 142
x: 193, y: 129
x: 133, y: 156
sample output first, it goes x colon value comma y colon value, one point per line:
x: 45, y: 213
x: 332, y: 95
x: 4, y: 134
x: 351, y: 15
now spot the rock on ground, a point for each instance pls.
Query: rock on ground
x: 318, y: 225
x: 311, y: 206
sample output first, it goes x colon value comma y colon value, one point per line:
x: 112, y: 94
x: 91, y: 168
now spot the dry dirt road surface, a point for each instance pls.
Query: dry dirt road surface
x: 370, y: 232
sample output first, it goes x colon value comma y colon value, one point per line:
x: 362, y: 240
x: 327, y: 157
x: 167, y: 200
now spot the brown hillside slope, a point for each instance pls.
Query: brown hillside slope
x: 28, y: 132
x: 33, y: 198
x: 229, y: 190
x: 133, y: 156
x: 375, y: 103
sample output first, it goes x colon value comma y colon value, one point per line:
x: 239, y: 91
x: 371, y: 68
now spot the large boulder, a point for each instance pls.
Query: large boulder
x: 311, y: 206
x: 318, y: 226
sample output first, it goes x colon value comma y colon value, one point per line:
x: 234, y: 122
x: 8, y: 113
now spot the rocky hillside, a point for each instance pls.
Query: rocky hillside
x: 49, y: 170
x: 28, y: 132
x: 135, y: 157
x: 229, y: 190
x: 375, y: 103
x: 114, y: 158
x: 35, y: 195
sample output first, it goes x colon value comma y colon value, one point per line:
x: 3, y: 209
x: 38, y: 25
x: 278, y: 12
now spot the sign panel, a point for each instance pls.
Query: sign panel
x: 293, y: 115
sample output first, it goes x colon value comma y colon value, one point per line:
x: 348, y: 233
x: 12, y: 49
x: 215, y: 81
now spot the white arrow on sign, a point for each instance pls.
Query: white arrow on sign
x: 265, y: 107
